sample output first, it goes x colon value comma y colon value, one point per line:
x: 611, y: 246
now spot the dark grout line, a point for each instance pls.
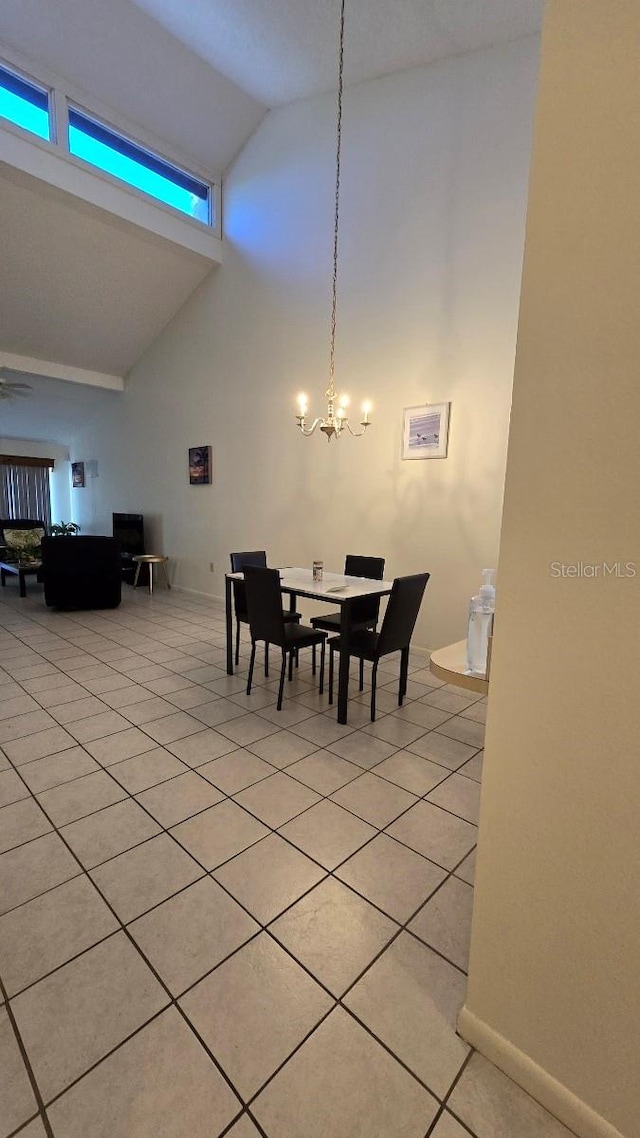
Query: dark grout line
x: 172, y: 1000
x: 163, y: 829
x: 448, y: 1096
x: 25, y: 1059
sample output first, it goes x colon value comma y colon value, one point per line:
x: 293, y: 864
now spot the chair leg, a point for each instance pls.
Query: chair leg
x: 330, y: 675
x: 374, y: 680
x: 282, y: 672
x: 266, y: 659
x: 362, y: 673
x: 404, y: 672
x: 313, y: 660
x: 322, y: 654
x: 237, y: 643
x: 251, y: 663
x: 291, y: 655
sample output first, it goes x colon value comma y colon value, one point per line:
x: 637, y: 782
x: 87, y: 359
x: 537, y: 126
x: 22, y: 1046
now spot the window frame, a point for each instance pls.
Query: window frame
x: 37, y: 85
x: 164, y: 164
x: 63, y: 96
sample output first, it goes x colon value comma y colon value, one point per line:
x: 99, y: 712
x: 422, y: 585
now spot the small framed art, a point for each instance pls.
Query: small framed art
x: 77, y: 474
x: 200, y: 466
x: 425, y: 431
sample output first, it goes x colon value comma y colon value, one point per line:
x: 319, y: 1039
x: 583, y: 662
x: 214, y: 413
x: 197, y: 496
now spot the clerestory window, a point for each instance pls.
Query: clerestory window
x: 25, y: 103
x: 106, y: 149
x: 48, y: 113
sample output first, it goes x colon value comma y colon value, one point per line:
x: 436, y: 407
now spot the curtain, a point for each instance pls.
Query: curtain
x: 24, y: 492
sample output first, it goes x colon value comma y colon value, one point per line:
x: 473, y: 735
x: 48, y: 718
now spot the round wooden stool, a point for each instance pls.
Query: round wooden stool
x: 151, y: 559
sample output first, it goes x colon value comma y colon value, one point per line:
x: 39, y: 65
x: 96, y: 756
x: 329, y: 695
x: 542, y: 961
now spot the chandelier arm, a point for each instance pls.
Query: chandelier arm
x: 308, y: 430
x: 356, y: 434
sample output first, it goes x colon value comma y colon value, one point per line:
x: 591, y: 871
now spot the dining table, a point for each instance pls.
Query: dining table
x: 333, y: 588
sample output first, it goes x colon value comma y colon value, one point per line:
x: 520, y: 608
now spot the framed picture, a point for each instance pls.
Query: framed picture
x: 200, y: 466
x: 425, y: 431
x: 77, y: 474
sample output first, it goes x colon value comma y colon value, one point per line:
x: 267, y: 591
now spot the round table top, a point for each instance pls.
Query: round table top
x: 150, y: 557
x: 450, y: 664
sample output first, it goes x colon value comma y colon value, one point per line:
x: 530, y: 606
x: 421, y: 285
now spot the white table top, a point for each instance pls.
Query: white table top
x: 333, y: 586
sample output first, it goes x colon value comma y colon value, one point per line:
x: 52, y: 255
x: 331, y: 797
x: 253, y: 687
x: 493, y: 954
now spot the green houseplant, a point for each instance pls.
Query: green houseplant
x: 64, y: 529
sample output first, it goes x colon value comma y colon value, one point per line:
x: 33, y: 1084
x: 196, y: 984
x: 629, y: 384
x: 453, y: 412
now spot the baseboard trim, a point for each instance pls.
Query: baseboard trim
x: 537, y: 1082
x: 197, y: 593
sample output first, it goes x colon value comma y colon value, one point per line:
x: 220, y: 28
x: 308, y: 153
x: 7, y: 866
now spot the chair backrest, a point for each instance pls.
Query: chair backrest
x: 239, y: 561
x: 402, y: 613
x: 129, y: 531
x: 264, y: 604
x: 367, y: 608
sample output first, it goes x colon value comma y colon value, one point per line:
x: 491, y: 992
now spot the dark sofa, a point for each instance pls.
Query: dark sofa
x: 81, y: 572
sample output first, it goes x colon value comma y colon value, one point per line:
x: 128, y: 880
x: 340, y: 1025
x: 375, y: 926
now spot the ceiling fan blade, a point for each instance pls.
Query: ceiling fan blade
x: 9, y: 390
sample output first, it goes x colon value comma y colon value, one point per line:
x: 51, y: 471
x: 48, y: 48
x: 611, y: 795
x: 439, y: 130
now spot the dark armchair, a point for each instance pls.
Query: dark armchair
x: 81, y: 572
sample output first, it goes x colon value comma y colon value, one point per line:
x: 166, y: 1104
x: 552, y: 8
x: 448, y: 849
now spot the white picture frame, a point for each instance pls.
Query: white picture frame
x: 425, y: 431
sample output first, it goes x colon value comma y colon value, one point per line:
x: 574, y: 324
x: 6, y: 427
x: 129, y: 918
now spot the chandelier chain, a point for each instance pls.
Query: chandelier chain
x: 331, y: 391
x: 336, y: 420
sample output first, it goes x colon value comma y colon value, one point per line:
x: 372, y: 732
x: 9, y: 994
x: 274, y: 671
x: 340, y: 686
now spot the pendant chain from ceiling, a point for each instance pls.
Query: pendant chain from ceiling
x: 330, y: 392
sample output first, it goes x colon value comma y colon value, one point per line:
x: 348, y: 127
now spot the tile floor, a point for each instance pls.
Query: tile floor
x: 221, y: 919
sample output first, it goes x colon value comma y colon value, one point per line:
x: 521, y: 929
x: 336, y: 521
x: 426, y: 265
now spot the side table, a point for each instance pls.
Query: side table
x: 19, y: 569
x: 151, y: 559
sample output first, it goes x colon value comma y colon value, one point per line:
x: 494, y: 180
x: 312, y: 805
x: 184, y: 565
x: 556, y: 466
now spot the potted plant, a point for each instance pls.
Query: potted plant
x: 64, y: 529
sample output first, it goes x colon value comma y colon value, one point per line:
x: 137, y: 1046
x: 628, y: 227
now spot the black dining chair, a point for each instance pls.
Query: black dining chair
x: 239, y: 561
x: 364, y: 611
x: 394, y: 636
x: 267, y: 622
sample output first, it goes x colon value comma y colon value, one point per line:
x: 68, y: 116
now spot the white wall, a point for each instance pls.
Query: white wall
x: 554, y: 996
x: 60, y: 476
x: 435, y: 167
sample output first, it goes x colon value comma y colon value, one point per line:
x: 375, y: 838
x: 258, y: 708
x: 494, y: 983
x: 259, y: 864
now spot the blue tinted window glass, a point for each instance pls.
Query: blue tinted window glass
x: 117, y: 155
x: 24, y: 104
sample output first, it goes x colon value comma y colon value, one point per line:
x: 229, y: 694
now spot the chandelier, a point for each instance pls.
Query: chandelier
x: 336, y: 419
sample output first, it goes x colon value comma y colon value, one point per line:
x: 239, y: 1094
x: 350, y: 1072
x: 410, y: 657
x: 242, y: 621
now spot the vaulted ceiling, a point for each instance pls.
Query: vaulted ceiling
x: 199, y: 75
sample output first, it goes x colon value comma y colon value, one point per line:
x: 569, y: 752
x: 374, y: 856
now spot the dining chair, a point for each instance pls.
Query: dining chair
x: 365, y: 610
x: 267, y: 622
x: 394, y: 636
x: 239, y: 561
